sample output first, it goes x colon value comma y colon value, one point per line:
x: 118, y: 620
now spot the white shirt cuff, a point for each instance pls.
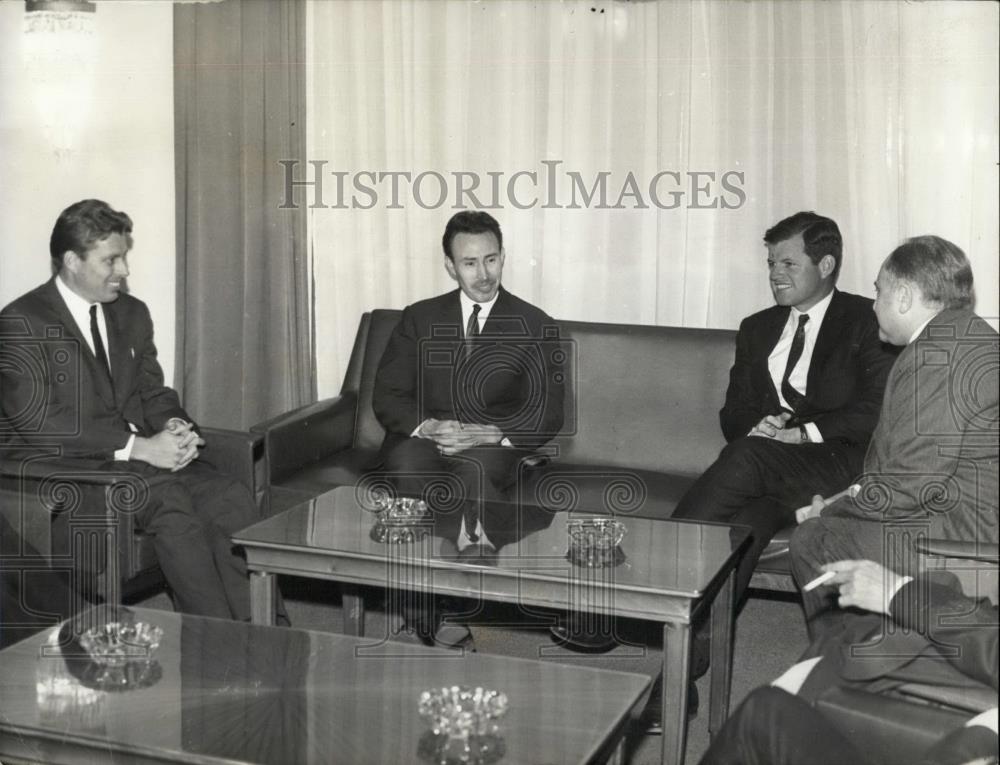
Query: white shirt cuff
x: 506, y: 442
x: 813, y: 432
x: 987, y: 719
x: 125, y: 453
x: 796, y: 675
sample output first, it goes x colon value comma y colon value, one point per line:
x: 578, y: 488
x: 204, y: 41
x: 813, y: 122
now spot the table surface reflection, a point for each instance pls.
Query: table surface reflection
x: 235, y: 692
x: 666, y: 557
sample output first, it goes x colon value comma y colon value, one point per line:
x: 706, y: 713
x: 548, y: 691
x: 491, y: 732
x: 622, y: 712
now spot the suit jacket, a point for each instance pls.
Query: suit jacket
x: 934, y: 455
x: 513, y: 379
x: 847, y: 372
x: 52, y: 391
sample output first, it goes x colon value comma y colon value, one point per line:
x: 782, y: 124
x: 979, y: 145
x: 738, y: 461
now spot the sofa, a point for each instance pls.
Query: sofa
x: 641, y: 424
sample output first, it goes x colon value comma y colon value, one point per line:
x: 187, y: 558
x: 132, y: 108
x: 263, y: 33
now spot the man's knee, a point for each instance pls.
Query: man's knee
x: 749, y: 451
x: 412, y: 455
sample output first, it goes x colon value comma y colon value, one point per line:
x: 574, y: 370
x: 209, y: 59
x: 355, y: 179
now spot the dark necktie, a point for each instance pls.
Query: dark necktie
x: 792, y: 396
x: 471, y: 333
x: 102, y: 356
x: 472, y: 328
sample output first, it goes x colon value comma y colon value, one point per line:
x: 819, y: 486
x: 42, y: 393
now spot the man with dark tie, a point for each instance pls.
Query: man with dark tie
x: 803, y: 398
x: 469, y: 386
x: 94, y: 390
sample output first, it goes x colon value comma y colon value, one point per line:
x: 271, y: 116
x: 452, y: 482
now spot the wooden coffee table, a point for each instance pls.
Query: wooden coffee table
x: 672, y: 572
x: 228, y: 692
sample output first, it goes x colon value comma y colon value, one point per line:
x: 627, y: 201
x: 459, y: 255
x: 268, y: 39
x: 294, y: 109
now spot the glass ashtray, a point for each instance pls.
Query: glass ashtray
x: 461, y: 711
x: 397, y: 533
x: 399, y: 511
x: 118, y: 643
x: 595, y: 542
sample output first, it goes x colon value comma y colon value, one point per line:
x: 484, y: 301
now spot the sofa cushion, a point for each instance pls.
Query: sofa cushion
x: 342, y: 469
x: 645, y: 398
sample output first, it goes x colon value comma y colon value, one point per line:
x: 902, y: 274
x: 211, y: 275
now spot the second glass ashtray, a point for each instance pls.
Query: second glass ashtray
x: 460, y: 711
x: 117, y: 643
x: 595, y: 542
x: 400, y: 511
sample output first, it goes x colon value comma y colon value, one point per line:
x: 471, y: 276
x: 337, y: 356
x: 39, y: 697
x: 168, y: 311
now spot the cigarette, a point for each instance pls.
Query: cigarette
x: 821, y: 579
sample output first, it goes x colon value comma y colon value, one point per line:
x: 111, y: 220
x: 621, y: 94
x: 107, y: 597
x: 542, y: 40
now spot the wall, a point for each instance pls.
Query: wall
x: 124, y: 154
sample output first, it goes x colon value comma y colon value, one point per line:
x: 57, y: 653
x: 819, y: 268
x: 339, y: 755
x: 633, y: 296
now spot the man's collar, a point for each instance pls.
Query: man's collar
x: 484, y: 308
x: 817, y: 312
x: 921, y: 328
x: 74, y: 302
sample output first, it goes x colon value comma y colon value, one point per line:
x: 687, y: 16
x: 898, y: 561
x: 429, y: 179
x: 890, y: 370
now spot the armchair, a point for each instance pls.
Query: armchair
x: 897, y: 728
x: 79, y: 517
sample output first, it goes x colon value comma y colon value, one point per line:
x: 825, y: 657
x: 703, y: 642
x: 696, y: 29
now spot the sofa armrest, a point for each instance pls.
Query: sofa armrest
x: 306, y: 435
x: 47, y: 465
x: 892, y: 730
x: 241, y: 455
x: 950, y: 548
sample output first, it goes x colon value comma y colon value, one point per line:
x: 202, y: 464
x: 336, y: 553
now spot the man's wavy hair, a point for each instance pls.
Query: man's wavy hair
x: 938, y: 267
x: 820, y: 236
x: 470, y: 222
x: 83, y: 224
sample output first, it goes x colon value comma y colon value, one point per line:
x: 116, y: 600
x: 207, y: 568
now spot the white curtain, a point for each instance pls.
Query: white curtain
x: 882, y: 115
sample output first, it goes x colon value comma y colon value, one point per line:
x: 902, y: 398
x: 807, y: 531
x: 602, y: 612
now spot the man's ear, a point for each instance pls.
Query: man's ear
x: 71, y: 261
x: 904, y: 296
x: 449, y: 266
x: 827, y: 265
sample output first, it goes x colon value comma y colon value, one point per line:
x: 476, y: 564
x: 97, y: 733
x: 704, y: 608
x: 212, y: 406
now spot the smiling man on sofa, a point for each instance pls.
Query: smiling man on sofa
x: 803, y: 399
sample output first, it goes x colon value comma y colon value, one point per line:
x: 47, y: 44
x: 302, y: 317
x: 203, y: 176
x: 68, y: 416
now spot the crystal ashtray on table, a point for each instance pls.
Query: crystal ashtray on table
x: 595, y: 542
x: 399, y: 520
x: 464, y: 725
x: 121, y: 655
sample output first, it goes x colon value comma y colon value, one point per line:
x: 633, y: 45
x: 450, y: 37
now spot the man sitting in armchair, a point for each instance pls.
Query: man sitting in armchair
x: 79, y: 376
x: 940, y: 636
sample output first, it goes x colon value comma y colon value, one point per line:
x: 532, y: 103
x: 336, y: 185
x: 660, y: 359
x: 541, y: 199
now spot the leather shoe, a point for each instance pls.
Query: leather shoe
x: 651, y: 720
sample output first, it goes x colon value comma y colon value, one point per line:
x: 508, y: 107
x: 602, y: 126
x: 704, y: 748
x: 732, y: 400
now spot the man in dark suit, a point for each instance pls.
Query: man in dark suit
x: 469, y: 386
x: 803, y: 397
x: 79, y: 373
x: 938, y: 636
x: 932, y: 467
x: 802, y: 402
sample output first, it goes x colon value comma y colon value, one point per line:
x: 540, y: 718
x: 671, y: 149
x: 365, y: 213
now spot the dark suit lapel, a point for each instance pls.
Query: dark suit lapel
x: 831, y: 336
x: 768, y: 337
x: 503, y: 319
x: 87, y: 359
x: 119, y: 350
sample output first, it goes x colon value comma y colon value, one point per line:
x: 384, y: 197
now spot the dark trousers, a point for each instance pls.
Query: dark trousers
x: 191, y: 515
x: 473, y: 484
x: 828, y: 539
x: 759, y: 482
x: 773, y: 727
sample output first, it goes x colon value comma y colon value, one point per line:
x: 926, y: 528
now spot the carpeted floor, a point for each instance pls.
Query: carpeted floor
x: 770, y: 635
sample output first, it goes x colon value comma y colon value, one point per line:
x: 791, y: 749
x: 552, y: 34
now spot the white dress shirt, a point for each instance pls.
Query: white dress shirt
x: 800, y: 373
x: 79, y: 309
x: 484, y: 309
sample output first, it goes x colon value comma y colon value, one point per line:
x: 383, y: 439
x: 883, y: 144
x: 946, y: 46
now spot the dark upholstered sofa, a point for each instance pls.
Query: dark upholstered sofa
x: 641, y: 424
